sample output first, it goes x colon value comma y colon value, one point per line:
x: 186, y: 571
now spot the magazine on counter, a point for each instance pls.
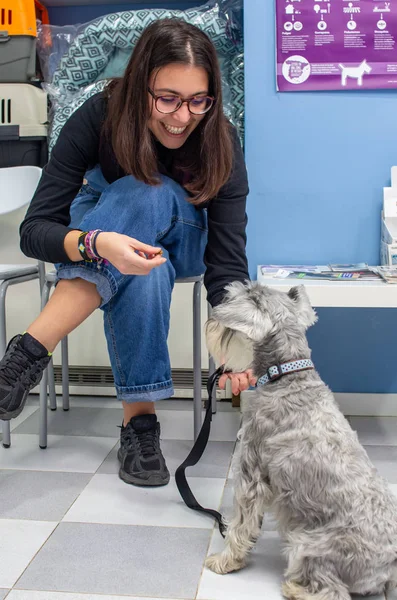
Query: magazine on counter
x: 350, y: 272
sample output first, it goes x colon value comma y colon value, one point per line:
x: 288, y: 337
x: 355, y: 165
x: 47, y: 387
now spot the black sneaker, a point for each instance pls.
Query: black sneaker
x: 21, y: 368
x: 142, y: 462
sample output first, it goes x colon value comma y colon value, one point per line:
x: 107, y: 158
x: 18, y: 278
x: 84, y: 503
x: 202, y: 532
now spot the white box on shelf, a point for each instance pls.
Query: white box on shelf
x: 388, y: 233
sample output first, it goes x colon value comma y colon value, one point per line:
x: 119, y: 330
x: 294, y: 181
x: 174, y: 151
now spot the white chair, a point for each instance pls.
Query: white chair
x: 17, y: 185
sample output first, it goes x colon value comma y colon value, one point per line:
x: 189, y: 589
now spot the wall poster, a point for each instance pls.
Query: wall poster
x: 336, y: 44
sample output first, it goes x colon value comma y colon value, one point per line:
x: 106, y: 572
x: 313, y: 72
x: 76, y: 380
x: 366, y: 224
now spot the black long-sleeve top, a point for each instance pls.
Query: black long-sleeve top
x: 78, y: 149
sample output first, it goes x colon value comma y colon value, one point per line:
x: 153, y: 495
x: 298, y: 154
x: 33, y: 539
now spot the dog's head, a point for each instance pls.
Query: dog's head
x: 251, y: 314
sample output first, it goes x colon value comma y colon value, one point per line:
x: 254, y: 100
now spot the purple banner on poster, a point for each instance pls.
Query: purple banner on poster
x: 336, y: 44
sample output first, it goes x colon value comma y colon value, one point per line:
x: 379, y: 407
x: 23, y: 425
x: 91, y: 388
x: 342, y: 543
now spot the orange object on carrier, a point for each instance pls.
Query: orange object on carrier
x: 17, y: 40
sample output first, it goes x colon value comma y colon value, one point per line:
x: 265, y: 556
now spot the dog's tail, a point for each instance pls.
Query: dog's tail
x: 295, y: 591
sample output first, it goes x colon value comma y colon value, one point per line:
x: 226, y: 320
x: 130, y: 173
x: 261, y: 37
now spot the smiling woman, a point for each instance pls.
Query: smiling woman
x: 165, y: 198
x: 172, y: 118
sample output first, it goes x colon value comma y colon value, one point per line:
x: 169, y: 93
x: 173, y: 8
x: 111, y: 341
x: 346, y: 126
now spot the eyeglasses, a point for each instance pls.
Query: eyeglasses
x: 198, y: 105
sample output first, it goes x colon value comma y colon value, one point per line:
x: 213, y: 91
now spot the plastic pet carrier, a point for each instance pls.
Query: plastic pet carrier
x: 23, y: 125
x: 17, y: 40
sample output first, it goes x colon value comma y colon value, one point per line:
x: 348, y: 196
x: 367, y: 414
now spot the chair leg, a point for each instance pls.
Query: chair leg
x: 211, y: 368
x: 6, y: 434
x: 3, y: 345
x: 197, y: 379
x: 65, y: 373
x: 51, y: 385
x: 43, y: 411
x: 44, y: 382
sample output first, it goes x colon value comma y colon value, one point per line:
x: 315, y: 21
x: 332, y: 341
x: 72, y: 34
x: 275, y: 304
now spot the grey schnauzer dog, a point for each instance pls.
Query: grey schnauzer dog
x: 299, y: 459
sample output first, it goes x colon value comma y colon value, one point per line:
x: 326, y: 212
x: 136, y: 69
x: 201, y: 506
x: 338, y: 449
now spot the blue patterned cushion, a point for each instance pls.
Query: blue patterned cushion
x: 90, y: 56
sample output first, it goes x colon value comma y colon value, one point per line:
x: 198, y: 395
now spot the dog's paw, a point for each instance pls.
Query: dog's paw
x: 294, y: 591
x: 222, y: 564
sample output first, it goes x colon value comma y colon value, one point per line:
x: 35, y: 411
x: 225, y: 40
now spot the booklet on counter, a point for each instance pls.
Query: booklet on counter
x: 388, y: 273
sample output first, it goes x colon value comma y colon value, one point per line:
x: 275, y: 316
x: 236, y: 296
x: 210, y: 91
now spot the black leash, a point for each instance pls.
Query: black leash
x: 194, y: 456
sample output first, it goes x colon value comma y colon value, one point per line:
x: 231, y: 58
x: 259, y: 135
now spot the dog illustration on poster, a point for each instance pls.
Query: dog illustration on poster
x: 355, y: 72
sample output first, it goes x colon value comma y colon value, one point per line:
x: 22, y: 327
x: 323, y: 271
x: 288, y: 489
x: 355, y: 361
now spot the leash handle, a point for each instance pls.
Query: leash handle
x: 194, y: 456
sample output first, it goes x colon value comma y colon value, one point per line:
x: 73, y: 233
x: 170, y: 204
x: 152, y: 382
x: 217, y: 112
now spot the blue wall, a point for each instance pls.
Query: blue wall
x: 317, y: 163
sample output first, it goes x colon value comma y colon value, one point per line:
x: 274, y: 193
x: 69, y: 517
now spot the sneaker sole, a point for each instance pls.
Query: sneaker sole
x: 152, y: 481
x: 15, y: 413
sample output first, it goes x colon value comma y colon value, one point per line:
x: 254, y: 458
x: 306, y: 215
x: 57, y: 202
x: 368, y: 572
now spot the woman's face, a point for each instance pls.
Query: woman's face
x: 172, y: 130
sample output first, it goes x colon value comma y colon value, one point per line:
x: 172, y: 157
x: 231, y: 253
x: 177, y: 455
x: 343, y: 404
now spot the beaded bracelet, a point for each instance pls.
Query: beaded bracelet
x: 93, y: 243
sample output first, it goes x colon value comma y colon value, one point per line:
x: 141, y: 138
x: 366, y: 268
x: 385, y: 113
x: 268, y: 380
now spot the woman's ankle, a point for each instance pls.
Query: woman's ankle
x: 40, y: 336
x: 134, y: 409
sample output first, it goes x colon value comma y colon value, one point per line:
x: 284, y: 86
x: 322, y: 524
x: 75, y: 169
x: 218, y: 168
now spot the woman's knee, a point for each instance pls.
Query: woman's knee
x: 134, y: 207
x: 128, y: 187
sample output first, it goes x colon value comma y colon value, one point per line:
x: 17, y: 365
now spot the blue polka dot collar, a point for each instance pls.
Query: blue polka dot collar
x: 277, y: 371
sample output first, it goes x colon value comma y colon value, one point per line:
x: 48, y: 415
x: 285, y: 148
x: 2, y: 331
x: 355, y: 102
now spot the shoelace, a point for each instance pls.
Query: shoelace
x: 14, y: 366
x: 147, y: 440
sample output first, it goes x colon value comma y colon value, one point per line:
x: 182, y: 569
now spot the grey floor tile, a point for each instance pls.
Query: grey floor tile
x: 39, y: 495
x: 92, y: 422
x: 385, y: 460
x: 375, y: 431
x: 3, y: 594
x: 214, y: 462
x: 117, y: 559
x: 226, y: 509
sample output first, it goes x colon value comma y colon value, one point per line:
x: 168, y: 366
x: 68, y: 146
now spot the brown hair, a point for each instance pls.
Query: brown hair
x: 207, y: 154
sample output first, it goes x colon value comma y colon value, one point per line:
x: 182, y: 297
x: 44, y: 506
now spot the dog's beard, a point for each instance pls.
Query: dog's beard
x: 228, y: 346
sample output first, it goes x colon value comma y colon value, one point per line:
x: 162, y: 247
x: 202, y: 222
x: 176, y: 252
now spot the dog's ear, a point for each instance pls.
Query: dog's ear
x: 307, y: 315
x: 241, y: 311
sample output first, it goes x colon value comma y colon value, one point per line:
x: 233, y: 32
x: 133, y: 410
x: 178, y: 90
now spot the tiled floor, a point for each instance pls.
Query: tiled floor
x: 71, y: 530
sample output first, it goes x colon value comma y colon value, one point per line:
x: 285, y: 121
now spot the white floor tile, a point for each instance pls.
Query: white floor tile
x: 107, y: 499
x: 178, y: 425
x: 64, y: 453
x: 262, y: 578
x: 19, y: 542
x: 27, y: 412
x: 28, y: 595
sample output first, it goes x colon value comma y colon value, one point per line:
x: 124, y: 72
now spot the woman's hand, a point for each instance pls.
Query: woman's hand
x: 240, y: 381
x: 127, y: 254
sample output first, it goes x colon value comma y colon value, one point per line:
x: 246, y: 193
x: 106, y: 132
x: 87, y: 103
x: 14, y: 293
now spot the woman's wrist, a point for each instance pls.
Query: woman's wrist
x: 70, y: 244
x: 102, y: 243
